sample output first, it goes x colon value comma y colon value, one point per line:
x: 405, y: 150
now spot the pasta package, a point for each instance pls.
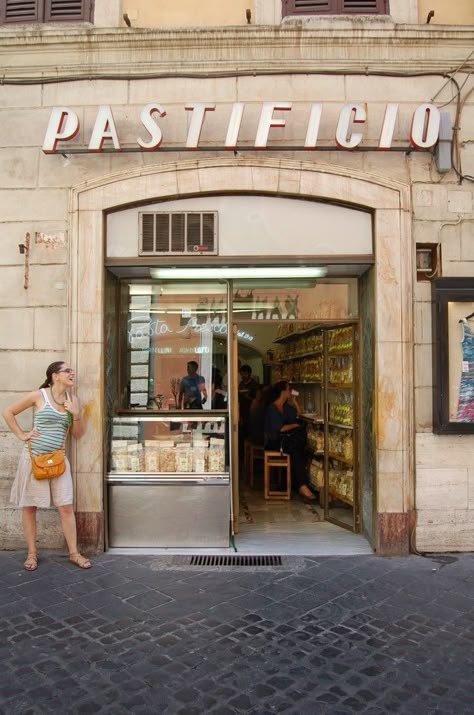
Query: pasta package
x: 119, y: 455
x: 216, y: 456
x: 167, y: 456
x: 152, y: 463
x: 184, y: 458
x: 135, y: 457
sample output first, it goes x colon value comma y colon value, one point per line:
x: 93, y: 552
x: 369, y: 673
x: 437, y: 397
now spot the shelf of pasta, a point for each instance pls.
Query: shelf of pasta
x: 341, y: 484
x: 145, y: 445
x: 165, y: 456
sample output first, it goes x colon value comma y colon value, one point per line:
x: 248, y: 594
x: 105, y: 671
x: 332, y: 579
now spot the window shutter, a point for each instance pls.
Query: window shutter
x: 21, y: 11
x: 67, y: 10
x: 364, y: 7
x: 46, y: 10
x: 335, y: 7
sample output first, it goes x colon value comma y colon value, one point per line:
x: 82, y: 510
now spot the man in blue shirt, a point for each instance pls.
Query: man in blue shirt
x: 192, y: 389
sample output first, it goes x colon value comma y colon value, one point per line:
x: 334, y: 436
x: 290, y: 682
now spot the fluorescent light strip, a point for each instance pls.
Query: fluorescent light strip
x: 227, y: 272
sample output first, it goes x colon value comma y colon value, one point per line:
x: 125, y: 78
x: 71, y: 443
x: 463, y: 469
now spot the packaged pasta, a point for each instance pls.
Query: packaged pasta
x: 167, y: 456
x: 119, y: 455
x: 184, y: 458
x: 135, y: 457
x: 216, y: 456
x: 151, y: 456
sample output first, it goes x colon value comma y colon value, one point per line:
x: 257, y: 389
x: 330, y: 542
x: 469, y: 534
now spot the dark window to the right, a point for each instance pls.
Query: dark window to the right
x: 335, y: 7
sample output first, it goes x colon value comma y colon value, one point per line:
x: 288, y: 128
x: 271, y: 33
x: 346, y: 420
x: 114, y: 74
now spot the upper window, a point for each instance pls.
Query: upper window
x: 46, y: 10
x: 335, y: 7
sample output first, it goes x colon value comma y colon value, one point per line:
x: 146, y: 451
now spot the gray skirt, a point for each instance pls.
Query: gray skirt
x: 42, y: 493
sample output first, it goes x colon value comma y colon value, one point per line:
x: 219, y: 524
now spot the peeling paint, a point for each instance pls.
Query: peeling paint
x: 51, y: 240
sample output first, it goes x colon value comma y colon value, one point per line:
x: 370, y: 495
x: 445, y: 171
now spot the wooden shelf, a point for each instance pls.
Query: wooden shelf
x: 340, y: 458
x: 340, y: 426
x: 340, y: 353
x: 301, y: 356
x: 296, y: 334
x: 340, y: 385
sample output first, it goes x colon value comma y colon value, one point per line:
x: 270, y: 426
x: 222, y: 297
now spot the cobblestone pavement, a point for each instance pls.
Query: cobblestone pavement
x: 148, y: 635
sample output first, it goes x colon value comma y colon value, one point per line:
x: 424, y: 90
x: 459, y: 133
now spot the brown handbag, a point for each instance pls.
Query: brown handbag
x: 49, y: 465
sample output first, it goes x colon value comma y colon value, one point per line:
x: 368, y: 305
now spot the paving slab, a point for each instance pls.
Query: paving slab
x: 319, y: 635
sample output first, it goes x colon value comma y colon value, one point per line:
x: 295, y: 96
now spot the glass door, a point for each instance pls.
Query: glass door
x: 341, y: 485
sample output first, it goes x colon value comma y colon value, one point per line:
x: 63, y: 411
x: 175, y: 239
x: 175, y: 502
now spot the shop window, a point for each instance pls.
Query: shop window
x: 335, y: 7
x: 453, y: 355
x: 46, y: 11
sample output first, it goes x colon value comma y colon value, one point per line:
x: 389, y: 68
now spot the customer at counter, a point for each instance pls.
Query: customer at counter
x: 282, y: 431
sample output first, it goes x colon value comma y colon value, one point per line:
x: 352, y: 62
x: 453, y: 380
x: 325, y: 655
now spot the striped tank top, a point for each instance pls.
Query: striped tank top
x: 52, y: 426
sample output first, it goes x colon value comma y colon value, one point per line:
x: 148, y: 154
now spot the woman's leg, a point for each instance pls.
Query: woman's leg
x: 29, y: 528
x: 299, y: 474
x: 68, y: 522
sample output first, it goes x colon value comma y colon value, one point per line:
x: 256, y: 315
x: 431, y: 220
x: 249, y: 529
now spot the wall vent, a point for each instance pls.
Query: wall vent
x: 178, y: 233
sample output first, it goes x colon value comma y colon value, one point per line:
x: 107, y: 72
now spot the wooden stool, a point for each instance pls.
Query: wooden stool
x: 276, y: 460
x: 252, y: 452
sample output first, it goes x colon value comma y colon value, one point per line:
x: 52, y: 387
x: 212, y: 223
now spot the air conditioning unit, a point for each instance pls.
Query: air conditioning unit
x: 178, y: 233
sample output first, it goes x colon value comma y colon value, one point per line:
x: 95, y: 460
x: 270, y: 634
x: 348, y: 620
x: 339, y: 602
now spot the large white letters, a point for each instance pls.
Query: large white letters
x: 425, y: 126
x: 104, y: 128
x: 198, y: 110
x: 63, y: 125
x: 151, y: 126
x: 267, y: 120
x: 355, y: 113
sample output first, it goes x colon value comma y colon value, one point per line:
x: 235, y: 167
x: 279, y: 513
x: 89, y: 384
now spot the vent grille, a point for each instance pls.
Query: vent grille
x: 236, y: 560
x: 178, y: 233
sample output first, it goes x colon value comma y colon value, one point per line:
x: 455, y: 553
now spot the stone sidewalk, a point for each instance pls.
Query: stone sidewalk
x: 148, y: 635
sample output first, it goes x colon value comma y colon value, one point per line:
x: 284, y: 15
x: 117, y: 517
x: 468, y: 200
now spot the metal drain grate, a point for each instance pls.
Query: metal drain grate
x: 236, y: 561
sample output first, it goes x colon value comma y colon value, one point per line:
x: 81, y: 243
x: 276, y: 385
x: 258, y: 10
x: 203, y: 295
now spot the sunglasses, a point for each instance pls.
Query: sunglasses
x: 69, y: 370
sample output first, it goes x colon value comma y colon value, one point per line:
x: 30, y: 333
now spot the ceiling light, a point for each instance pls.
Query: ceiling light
x: 245, y: 272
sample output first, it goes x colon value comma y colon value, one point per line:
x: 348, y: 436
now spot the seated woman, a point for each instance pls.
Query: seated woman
x: 280, y: 419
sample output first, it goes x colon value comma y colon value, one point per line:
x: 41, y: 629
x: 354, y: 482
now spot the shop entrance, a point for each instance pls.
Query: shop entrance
x: 296, y: 352
x: 222, y: 473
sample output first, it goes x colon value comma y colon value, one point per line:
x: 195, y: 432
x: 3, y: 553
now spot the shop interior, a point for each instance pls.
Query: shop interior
x: 304, y: 332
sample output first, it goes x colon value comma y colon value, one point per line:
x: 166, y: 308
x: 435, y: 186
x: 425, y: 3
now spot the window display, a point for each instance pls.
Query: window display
x: 175, y: 339
x: 144, y: 445
x: 453, y: 353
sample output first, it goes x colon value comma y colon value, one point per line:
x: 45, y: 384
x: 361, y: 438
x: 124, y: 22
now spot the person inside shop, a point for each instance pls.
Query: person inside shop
x: 256, y: 422
x: 283, y: 432
x: 219, y: 395
x: 192, y: 389
x: 56, y: 413
x: 247, y: 390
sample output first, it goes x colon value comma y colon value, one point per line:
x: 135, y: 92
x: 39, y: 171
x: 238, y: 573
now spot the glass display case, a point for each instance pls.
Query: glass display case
x: 453, y: 355
x: 168, y: 480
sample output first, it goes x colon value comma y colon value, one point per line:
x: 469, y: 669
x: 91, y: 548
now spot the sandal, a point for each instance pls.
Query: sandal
x: 79, y: 560
x: 31, y: 563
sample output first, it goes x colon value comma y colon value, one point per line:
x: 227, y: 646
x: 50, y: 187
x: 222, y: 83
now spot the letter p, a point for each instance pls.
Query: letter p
x: 63, y: 125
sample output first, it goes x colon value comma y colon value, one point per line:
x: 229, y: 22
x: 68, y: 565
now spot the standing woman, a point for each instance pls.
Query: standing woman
x: 57, y: 411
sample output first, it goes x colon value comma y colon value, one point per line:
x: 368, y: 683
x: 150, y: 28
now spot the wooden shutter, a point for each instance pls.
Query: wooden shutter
x: 45, y: 10
x: 21, y: 10
x: 364, y: 7
x: 335, y: 7
x: 67, y: 10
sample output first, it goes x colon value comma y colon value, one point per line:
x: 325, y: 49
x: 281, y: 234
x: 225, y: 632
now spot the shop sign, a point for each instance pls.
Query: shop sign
x: 64, y: 125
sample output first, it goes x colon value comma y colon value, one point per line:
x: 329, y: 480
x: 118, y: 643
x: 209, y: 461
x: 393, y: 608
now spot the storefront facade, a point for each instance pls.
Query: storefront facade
x: 273, y: 128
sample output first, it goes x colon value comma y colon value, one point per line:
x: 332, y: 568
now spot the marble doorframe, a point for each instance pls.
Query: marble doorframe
x: 394, y: 373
